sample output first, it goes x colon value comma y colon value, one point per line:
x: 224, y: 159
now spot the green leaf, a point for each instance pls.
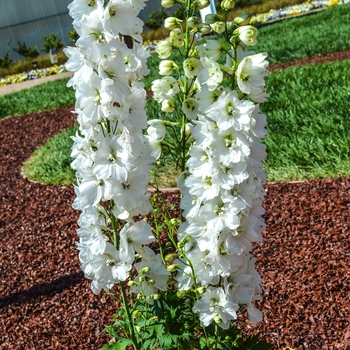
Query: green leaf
x: 120, y: 345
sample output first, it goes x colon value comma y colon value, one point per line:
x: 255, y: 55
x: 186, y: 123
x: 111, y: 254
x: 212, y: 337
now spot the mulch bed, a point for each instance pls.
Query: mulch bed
x: 46, y: 303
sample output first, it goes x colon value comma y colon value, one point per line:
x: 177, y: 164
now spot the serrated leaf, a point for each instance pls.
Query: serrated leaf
x: 120, y: 345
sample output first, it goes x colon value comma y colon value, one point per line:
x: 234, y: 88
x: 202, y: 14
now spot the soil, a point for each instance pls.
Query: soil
x: 46, y: 303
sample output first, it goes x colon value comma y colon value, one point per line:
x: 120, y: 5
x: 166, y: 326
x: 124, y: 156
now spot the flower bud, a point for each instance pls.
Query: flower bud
x: 227, y: 4
x: 141, y: 278
x: 188, y: 129
x: 145, y: 270
x: 247, y: 34
x: 212, y: 18
x: 132, y: 283
x: 136, y: 313
x: 218, y: 27
x: 164, y: 49
x: 168, y: 105
x: 156, y: 296
x: 201, y: 290
x: 203, y: 4
x: 204, y: 28
x: 172, y: 22
x: 242, y: 19
x: 173, y: 267
x: 217, y: 319
x: 187, y: 239
x: 154, y: 319
x: 166, y: 67
x: 181, y: 293
x: 176, y: 37
x: 170, y: 257
x: 193, y: 22
x: 168, y: 3
x: 151, y: 282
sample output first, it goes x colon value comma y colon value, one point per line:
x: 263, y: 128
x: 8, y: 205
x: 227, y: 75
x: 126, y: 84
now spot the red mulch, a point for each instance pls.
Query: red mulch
x: 46, y: 303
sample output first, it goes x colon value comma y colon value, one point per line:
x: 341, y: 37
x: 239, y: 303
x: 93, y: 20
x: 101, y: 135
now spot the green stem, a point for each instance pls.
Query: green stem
x: 131, y: 324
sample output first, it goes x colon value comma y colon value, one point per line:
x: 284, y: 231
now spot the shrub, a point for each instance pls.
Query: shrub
x: 73, y: 35
x: 23, y: 50
x: 6, y: 61
x: 51, y: 42
x: 156, y: 19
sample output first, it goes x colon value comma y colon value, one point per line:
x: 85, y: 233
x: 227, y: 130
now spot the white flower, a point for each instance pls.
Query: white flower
x: 192, y: 66
x: 190, y: 108
x: 156, y: 129
x: 104, y: 269
x: 176, y: 37
x: 211, y: 74
x: 165, y: 88
x: 251, y: 73
x: 121, y: 18
x: 156, y: 276
x: 168, y: 105
x: 79, y: 8
x: 229, y: 111
x: 212, y: 49
x: 133, y: 236
x: 214, y: 303
x: 166, y: 67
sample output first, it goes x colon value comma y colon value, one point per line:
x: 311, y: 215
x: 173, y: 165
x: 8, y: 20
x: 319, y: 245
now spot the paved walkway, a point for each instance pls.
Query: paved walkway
x: 4, y: 90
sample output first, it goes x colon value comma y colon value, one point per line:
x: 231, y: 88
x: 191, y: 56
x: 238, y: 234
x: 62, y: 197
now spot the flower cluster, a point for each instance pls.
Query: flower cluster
x: 32, y: 75
x: 219, y: 87
x: 205, y: 271
x: 112, y: 158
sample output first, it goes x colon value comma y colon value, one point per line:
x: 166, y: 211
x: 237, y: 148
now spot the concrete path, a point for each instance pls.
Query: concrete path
x: 4, y: 90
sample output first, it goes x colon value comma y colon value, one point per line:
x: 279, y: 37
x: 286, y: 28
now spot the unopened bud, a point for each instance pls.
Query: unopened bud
x: 218, y: 27
x: 181, y: 293
x: 227, y: 4
x: 217, y: 319
x: 168, y: 3
x: 151, y: 282
x: 136, y: 313
x: 242, y: 19
x: 212, y: 18
x: 193, y: 22
x: 132, y: 283
x: 173, y: 267
x: 170, y: 257
x: 201, y: 290
x: 204, y: 28
x: 155, y: 296
x: 145, y: 270
x: 154, y: 319
x: 172, y: 22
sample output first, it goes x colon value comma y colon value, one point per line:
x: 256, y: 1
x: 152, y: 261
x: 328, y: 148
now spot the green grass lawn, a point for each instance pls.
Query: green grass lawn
x: 307, y: 111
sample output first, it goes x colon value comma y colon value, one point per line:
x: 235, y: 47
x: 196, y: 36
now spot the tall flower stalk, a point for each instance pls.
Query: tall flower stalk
x: 185, y: 294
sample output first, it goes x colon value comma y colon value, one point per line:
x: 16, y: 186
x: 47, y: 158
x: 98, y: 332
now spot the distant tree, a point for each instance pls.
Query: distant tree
x: 6, y: 61
x: 51, y: 42
x: 25, y: 51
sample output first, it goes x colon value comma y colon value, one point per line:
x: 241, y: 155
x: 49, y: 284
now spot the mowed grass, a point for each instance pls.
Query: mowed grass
x: 45, y: 97
x: 313, y: 34
x: 307, y: 111
x: 308, y: 122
